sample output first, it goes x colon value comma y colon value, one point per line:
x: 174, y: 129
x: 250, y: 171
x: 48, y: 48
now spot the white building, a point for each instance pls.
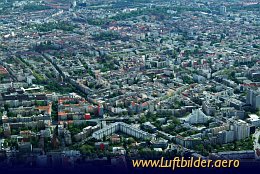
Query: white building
x: 241, y: 128
x: 196, y: 117
x: 223, y: 10
x: 73, y: 4
x: 254, y: 120
x: 253, y: 98
x: 30, y: 79
x: 122, y: 127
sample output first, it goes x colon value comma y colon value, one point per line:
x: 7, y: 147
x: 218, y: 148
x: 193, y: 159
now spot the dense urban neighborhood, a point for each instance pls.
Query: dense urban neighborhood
x: 106, y: 81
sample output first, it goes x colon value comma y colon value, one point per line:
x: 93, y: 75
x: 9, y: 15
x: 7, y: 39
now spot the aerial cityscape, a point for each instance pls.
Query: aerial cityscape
x: 102, y: 82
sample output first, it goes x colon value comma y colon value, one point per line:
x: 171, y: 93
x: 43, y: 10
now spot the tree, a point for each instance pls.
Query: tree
x: 54, y: 113
x: 34, y: 142
x: 1, y: 132
x: 107, y: 36
x: 199, y: 148
x: 10, y: 143
x: 34, y: 7
x: 175, y: 120
x: 6, y: 106
x: 143, y: 119
x: 46, y: 27
x: 131, y: 140
x: 11, y: 114
x: 187, y: 80
x: 86, y: 149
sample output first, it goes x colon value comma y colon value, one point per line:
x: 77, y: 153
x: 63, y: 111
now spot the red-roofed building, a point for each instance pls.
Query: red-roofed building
x: 87, y: 116
x: 3, y: 71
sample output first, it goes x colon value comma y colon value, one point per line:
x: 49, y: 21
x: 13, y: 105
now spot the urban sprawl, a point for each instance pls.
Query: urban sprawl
x: 104, y: 81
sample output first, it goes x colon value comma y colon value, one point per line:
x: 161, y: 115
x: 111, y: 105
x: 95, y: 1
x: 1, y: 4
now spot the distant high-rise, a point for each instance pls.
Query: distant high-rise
x: 241, y: 128
x: 253, y: 98
x: 223, y: 10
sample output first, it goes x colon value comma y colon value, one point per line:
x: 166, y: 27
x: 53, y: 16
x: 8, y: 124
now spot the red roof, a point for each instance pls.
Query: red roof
x: 3, y: 70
